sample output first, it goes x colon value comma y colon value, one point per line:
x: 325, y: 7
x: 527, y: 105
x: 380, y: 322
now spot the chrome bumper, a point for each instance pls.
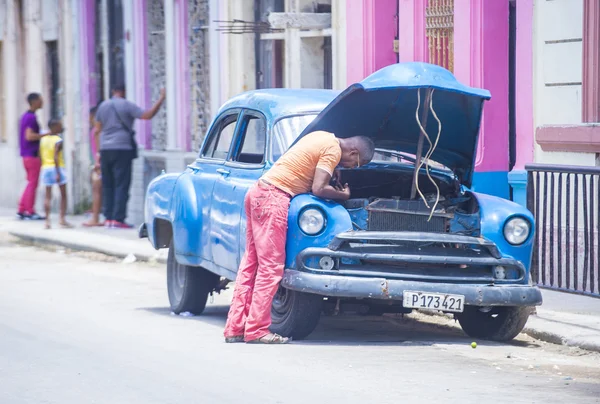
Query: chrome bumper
x: 381, y: 288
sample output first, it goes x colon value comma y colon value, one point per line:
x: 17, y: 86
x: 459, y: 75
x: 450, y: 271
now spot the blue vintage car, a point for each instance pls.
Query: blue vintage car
x: 412, y: 236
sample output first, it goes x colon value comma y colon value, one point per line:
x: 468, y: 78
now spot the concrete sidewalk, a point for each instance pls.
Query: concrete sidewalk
x: 564, y: 318
x: 113, y: 242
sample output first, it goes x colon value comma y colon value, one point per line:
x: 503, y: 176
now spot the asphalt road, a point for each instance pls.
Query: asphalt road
x: 76, y: 330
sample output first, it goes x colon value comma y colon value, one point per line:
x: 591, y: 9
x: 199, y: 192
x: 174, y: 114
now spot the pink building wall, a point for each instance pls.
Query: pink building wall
x: 411, y: 31
x: 524, y: 84
x: 142, y: 72
x: 371, y: 29
x: 481, y: 60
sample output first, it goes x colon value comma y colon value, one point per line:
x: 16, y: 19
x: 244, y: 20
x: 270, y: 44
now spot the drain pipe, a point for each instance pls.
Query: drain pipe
x: 419, y: 155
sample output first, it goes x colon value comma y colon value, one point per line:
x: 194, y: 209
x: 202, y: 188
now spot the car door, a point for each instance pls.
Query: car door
x: 242, y: 169
x: 205, y: 171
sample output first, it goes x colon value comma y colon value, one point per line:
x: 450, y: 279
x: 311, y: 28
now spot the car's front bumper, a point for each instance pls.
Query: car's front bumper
x: 393, y: 289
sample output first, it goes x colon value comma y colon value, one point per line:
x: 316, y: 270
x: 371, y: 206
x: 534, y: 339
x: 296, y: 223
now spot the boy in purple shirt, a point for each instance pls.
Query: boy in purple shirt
x: 29, y: 135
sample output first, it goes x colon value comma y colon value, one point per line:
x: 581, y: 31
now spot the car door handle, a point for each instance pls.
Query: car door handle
x: 223, y: 171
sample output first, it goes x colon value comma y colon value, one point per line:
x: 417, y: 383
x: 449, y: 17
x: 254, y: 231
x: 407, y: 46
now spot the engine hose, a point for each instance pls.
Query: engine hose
x: 418, y: 167
x: 427, y: 157
x: 437, y: 198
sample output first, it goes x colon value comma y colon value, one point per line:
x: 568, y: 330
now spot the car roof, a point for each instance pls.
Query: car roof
x: 276, y: 103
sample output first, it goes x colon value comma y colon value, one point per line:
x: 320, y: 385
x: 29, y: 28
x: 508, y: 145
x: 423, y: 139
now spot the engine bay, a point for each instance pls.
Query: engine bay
x: 380, y: 201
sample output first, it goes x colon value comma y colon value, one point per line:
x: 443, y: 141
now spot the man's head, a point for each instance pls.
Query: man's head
x: 93, y: 115
x: 356, y: 151
x: 35, y: 101
x: 55, y: 126
x: 119, y: 90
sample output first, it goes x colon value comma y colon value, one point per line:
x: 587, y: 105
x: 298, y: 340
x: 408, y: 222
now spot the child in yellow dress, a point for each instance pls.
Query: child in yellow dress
x: 53, y: 169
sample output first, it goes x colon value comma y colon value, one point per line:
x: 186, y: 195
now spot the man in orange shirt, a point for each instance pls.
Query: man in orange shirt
x: 306, y: 167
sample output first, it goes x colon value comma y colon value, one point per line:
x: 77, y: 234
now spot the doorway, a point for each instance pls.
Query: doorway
x: 512, y: 88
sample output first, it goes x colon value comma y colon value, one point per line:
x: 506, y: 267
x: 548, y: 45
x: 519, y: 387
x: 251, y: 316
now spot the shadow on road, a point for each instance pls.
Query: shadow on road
x: 358, y: 330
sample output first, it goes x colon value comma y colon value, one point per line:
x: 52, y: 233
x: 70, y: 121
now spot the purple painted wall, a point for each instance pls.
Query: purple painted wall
x: 142, y: 74
x: 87, y: 32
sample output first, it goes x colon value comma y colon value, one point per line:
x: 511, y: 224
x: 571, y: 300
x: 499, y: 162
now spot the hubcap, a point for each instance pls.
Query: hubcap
x: 178, y: 280
x: 282, y: 301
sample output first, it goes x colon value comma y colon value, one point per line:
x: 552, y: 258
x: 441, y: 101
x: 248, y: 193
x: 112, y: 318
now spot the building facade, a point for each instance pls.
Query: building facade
x: 205, y: 51
x: 567, y: 82
x: 40, y: 52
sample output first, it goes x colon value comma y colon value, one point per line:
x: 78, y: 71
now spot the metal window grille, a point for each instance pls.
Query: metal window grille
x: 3, y: 137
x: 439, y: 29
x: 117, y: 42
x: 54, y: 79
x: 565, y: 203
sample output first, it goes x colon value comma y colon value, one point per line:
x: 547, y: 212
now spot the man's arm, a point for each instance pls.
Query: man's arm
x: 97, y: 131
x: 31, y: 136
x: 149, y: 114
x: 323, y: 189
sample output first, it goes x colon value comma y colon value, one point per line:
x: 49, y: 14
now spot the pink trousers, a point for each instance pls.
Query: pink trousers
x: 32, y: 168
x: 261, y: 267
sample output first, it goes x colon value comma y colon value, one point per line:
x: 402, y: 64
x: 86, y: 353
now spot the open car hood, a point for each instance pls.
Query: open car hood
x: 383, y: 107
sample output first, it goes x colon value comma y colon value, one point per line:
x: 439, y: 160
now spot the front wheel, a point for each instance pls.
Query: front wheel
x: 500, y: 323
x: 188, y: 286
x: 295, y: 314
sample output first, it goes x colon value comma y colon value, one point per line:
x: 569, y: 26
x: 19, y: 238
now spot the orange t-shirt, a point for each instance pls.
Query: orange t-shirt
x: 294, y: 172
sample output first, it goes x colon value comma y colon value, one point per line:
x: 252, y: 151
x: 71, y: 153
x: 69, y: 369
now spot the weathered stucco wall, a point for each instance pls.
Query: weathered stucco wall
x: 558, y: 54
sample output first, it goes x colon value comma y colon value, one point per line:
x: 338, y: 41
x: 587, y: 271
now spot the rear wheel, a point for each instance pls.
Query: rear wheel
x: 295, y: 314
x: 188, y: 286
x: 500, y: 323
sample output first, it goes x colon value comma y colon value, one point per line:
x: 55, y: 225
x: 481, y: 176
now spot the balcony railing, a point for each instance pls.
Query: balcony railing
x: 565, y: 203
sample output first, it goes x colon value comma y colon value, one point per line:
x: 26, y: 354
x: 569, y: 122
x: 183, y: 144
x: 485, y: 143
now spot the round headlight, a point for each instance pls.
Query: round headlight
x: 516, y: 230
x: 311, y: 221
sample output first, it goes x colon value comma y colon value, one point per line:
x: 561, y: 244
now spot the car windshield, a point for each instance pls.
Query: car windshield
x: 286, y: 131
x: 387, y: 155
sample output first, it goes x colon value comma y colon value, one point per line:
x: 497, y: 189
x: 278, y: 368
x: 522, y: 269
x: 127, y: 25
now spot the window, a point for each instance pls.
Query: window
x: 54, y: 79
x: 220, y: 140
x: 306, y: 41
x: 270, y: 51
x: 286, y: 131
x: 3, y: 137
x: 252, y: 148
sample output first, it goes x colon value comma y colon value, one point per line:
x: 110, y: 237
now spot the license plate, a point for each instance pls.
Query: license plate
x: 434, y: 301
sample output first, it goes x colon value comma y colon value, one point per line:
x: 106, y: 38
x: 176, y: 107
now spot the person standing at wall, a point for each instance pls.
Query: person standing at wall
x: 95, y: 176
x: 29, y: 136
x: 115, y: 138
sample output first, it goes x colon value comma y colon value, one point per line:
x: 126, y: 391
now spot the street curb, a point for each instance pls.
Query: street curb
x: 558, y: 339
x: 41, y: 240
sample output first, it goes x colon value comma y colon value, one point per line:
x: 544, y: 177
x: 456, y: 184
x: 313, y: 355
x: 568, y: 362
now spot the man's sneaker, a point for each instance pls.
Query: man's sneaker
x: 22, y: 216
x: 35, y: 216
x: 121, y: 225
x: 108, y: 224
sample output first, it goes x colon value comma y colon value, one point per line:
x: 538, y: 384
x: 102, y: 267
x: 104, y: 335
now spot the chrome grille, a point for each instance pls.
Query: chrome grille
x: 399, y: 221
